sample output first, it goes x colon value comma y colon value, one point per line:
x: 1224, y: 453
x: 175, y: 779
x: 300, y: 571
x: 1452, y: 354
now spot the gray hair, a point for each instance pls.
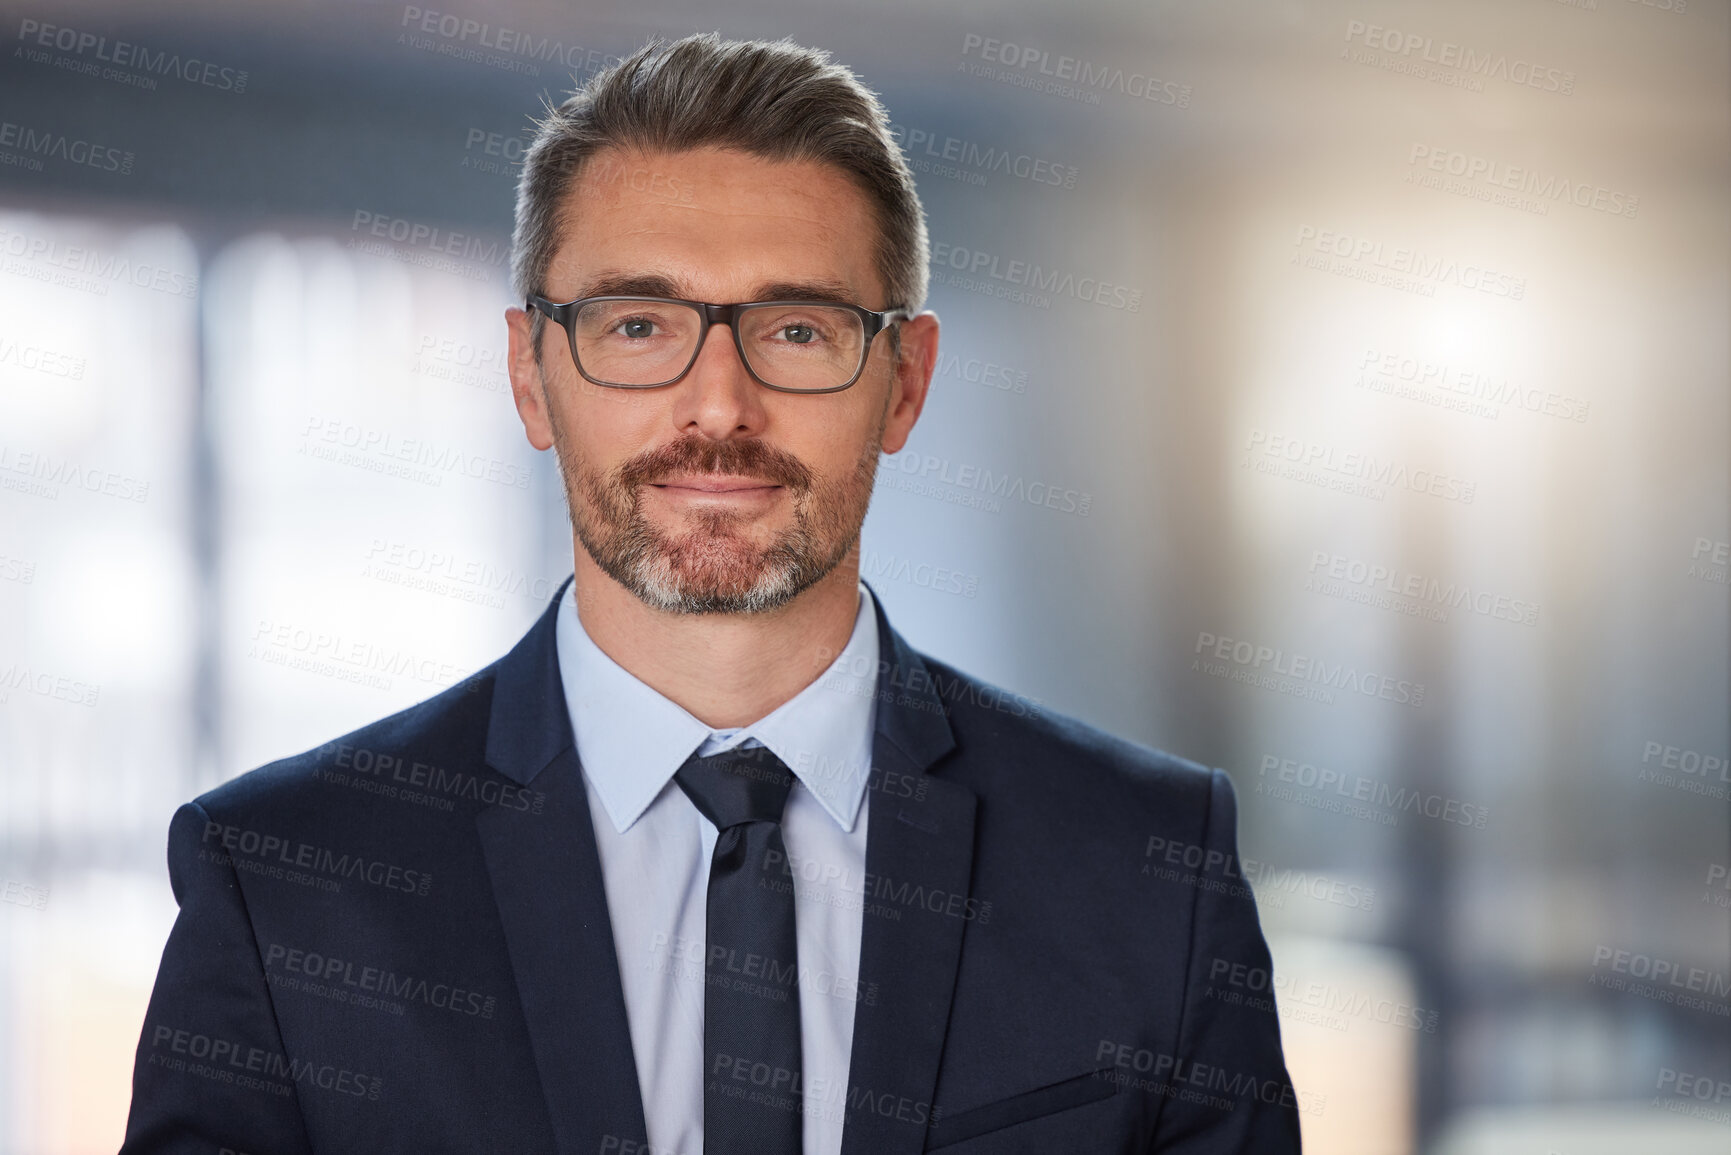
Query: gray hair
x: 779, y: 100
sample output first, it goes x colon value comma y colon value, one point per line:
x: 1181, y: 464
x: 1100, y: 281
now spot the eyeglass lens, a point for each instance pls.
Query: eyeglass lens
x: 640, y: 342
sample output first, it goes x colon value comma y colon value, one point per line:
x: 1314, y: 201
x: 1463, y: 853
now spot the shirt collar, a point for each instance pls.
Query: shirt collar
x: 631, y: 739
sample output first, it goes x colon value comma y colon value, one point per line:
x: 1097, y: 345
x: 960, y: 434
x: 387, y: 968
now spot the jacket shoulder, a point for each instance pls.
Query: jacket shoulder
x: 1018, y: 738
x: 451, y: 726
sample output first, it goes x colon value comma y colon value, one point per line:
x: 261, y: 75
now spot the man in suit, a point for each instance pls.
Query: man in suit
x: 713, y: 860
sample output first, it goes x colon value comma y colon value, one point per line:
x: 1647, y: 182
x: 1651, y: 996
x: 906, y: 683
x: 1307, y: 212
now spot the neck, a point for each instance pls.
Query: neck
x: 725, y: 669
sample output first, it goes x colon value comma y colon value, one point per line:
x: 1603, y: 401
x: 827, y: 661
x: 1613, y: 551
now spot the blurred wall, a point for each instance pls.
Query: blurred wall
x: 1332, y: 391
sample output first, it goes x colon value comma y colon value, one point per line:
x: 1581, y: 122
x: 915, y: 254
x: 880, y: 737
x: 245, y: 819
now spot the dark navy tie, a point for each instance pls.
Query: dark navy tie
x: 751, y: 1076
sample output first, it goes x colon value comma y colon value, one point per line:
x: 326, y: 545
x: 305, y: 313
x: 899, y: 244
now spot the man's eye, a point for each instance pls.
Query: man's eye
x: 798, y: 334
x: 636, y: 327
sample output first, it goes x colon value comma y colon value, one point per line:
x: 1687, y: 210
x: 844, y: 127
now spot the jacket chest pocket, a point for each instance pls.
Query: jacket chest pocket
x: 955, y: 1128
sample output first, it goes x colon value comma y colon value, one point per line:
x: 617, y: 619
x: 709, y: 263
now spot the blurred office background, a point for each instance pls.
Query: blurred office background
x: 1363, y: 431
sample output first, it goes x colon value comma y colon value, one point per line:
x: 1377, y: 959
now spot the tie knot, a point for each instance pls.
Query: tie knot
x: 740, y: 785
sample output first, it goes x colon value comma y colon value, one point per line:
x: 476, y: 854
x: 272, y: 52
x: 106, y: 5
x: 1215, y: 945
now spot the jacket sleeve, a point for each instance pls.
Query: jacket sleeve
x: 1227, y: 1090
x: 211, y: 1074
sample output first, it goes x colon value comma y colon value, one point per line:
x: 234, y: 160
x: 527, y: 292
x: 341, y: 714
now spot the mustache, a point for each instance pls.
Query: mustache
x: 751, y: 458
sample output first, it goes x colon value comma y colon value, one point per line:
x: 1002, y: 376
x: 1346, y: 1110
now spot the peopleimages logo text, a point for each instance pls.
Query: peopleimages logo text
x: 1027, y: 275
x: 925, y: 149
x: 1448, y: 54
x: 508, y: 41
x: 37, y: 143
x: 1352, y: 470
x: 102, y: 268
x: 1305, y: 668
x: 1375, y: 577
x: 1008, y: 486
x: 1082, y: 73
x: 1516, y: 178
x: 126, y: 54
x: 1423, y: 267
x: 1358, y: 788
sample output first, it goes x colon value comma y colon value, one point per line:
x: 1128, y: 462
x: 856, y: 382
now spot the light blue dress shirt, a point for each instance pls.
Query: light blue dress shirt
x: 655, y: 850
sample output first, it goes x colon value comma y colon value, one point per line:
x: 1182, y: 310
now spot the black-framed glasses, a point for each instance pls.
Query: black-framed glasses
x: 789, y: 346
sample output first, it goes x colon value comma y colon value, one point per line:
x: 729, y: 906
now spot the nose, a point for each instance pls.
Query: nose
x: 718, y: 397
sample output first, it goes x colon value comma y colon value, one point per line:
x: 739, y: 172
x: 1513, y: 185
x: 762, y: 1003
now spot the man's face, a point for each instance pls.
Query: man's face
x: 715, y: 494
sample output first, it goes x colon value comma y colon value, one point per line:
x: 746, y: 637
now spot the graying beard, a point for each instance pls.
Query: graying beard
x: 637, y: 562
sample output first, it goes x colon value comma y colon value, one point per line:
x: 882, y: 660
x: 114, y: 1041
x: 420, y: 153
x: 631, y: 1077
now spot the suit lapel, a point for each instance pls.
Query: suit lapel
x: 546, y: 877
x: 919, y: 860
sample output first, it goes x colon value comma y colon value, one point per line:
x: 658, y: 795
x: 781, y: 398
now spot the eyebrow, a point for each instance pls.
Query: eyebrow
x: 622, y: 284
x: 618, y: 284
x: 820, y: 290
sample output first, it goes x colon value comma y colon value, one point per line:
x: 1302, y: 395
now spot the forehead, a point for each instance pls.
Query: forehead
x: 717, y: 223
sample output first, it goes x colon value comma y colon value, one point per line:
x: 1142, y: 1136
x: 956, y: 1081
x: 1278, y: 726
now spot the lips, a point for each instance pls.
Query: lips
x: 710, y: 483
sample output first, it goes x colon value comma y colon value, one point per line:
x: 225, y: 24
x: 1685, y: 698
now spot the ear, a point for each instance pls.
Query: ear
x: 913, y: 379
x: 527, y: 384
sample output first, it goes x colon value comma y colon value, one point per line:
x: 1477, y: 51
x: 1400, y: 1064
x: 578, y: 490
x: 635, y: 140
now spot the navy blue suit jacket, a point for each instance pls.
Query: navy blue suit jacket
x: 399, y: 941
